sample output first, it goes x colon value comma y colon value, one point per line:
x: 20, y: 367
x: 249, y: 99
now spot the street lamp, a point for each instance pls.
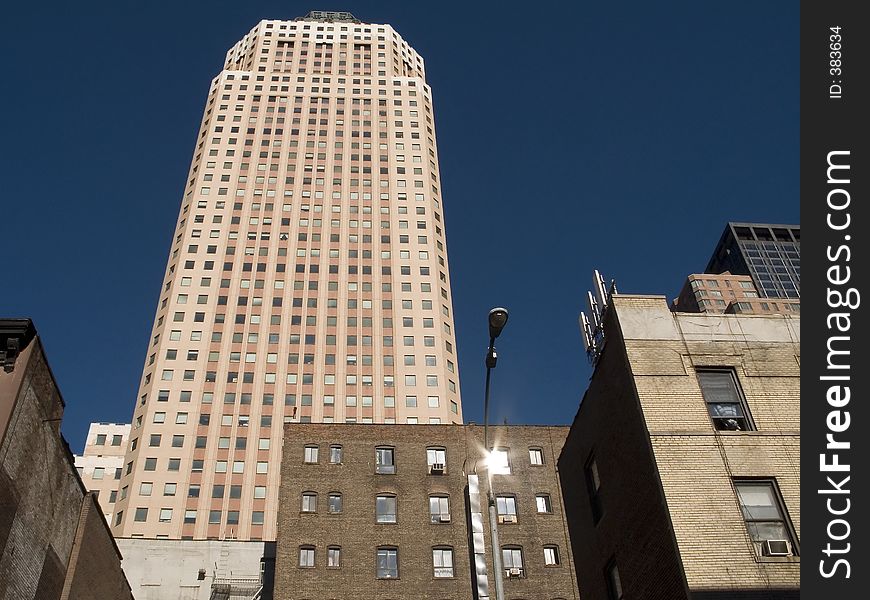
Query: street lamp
x: 497, y: 320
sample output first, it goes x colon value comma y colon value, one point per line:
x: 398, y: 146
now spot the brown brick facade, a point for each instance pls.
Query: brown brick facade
x: 47, y: 520
x: 359, y: 535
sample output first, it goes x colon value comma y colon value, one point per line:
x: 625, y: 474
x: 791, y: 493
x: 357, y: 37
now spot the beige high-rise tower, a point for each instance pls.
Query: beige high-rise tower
x: 307, y: 278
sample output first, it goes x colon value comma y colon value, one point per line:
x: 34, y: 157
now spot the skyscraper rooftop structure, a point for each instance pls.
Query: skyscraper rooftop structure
x: 307, y: 279
x: 770, y: 254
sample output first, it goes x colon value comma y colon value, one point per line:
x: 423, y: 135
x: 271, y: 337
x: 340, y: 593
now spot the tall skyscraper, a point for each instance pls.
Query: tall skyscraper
x: 307, y: 278
x: 770, y: 254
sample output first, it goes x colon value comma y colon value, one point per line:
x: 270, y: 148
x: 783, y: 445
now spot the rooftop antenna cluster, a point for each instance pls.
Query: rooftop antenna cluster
x: 592, y: 325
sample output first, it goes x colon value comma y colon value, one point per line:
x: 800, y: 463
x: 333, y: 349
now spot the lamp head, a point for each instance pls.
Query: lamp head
x: 497, y: 320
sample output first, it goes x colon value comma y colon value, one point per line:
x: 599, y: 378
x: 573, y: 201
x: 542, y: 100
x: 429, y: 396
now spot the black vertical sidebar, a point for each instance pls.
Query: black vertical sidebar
x: 835, y: 370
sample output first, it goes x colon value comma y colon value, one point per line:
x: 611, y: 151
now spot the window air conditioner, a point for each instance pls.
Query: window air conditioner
x: 436, y: 468
x: 444, y: 518
x: 513, y: 572
x: 507, y: 519
x: 776, y: 548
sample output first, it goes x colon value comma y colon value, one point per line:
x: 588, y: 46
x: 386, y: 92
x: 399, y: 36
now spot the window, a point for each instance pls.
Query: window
x: 388, y: 563
x: 536, y: 456
x: 312, y: 454
x: 507, y: 509
x: 512, y: 562
x: 614, y: 585
x: 593, y: 487
x: 165, y: 515
x: 725, y: 403
x: 542, y: 501
x: 385, y: 461
x: 335, y: 455
x: 551, y: 556
x: 141, y: 515
x: 333, y: 557
x: 499, y: 462
x: 309, y: 502
x: 442, y: 562
x: 385, y: 509
x: 439, y: 509
x: 99, y: 472
x: 436, y: 459
x: 334, y: 503
x: 306, y: 556
x: 764, y: 514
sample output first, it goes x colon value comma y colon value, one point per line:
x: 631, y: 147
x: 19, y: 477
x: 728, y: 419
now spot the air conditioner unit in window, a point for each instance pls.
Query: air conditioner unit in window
x: 507, y: 518
x: 776, y: 548
x: 444, y: 518
x: 436, y: 469
x: 513, y: 572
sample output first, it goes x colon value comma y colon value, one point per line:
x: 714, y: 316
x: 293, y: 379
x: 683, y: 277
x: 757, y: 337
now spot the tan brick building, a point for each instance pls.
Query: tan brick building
x: 681, y: 471
x: 386, y: 511
x: 54, y: 542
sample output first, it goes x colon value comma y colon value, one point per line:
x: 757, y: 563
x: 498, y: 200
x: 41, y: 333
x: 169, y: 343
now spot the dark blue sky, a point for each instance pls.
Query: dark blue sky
x: 611, y: 135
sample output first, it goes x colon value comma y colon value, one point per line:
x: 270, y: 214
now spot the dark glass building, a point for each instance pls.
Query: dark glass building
x: 770, y: 254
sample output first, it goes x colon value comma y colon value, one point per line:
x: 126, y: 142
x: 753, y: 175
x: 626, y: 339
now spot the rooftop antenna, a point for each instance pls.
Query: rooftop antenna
x: 592, y: 325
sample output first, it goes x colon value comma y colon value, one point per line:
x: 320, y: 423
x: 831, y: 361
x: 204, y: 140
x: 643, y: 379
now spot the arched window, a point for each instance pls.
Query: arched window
x: 306, y: 556
x: 385, y: 460
x: 312, y: 453
x: 439, y: 509
x: 442, y: 561
x: 436, y: 460
x: 309, y: 502
x: 386, y: 508
x: 551, y: 556
x: 387, y: 562
x: 512, y: 561
x: 333, y: 557
x: 335, y: 454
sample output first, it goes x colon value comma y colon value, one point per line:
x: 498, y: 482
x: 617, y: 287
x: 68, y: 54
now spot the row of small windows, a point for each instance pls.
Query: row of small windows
x: 436, y: 458
x: 101, y: 439
x: 215, y: 517
x: 386, y: 506
x: 387, y: 560
x: 266, y: 420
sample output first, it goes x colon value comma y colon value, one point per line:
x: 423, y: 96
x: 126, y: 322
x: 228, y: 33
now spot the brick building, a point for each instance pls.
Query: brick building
x: 54, y: 542
x: 391, y: 511
x: 680, y: 474
x: 727, y: 293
